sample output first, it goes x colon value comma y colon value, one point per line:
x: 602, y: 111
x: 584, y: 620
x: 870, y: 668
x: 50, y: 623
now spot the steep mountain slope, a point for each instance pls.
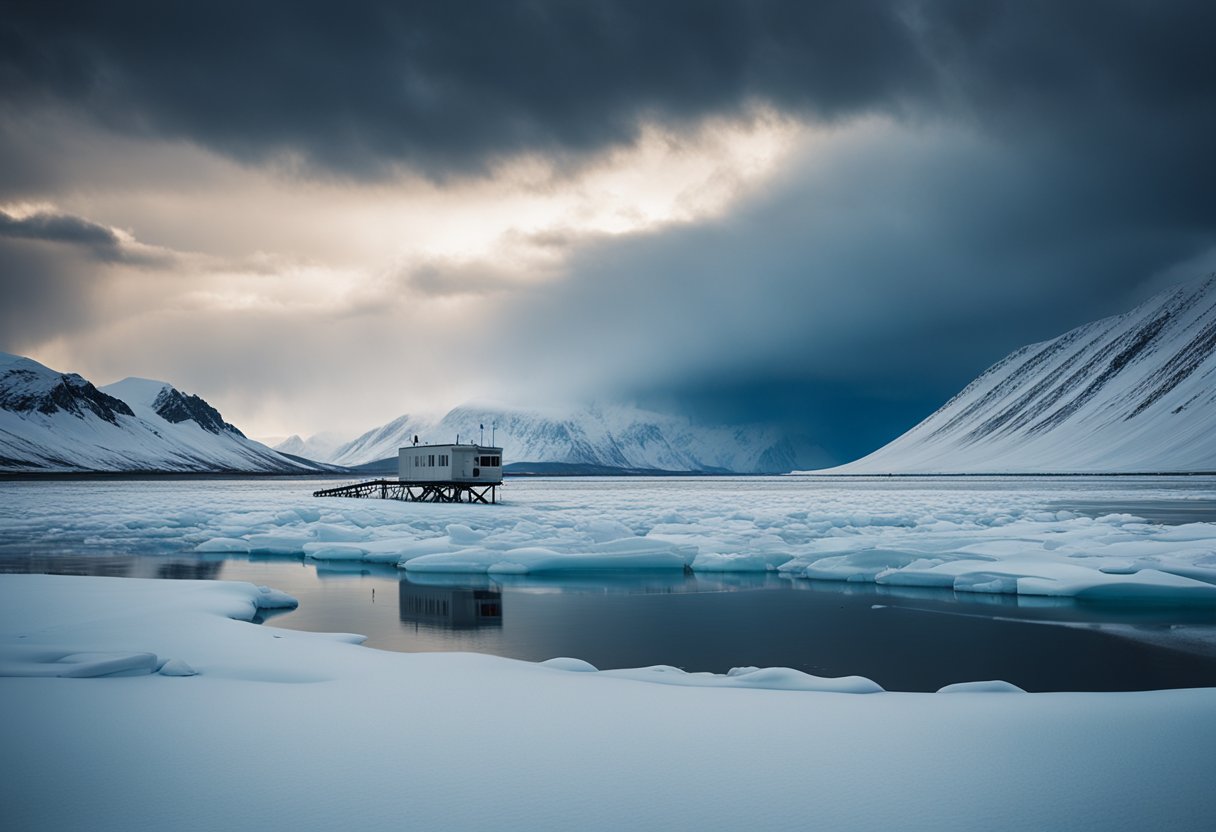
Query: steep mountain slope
x: 1131, y: 393
x: 612, y: 437
x: 52, y: 421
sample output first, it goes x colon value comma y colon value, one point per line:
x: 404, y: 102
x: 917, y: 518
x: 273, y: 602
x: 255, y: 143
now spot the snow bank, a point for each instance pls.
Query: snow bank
x: 288, y: 728
x: 765, y: 678
x: 17, y: 660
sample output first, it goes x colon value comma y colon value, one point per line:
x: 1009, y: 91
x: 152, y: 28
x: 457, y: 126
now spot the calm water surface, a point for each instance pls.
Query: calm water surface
x: 905, y: 639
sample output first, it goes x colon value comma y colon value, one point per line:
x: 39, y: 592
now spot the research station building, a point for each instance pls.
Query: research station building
x: 450, y: 464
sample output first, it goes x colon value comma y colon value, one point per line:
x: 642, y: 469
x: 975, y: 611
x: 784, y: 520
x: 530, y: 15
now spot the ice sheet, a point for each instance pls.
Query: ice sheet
x: 287, y: 729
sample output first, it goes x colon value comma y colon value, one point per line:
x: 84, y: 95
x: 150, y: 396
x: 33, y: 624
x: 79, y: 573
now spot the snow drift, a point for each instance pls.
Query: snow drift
x: 277, y: 728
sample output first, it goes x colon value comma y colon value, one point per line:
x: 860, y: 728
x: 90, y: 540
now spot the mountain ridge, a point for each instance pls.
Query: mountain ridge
x: 595, y: 437
x: 54, y: 422
x: 1133, y: 392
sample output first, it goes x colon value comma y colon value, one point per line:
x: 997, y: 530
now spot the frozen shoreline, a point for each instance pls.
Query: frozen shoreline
x: 283, y: 728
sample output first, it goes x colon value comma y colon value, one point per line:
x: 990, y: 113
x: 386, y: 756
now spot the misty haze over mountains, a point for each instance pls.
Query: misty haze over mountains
x: 1129, y: 393
x: 598, y: 436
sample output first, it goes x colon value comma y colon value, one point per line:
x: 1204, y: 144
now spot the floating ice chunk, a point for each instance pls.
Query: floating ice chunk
x: 463, y: 535
x: 642, y: 555
x: 764, y: 678
x: 994, y: 549
x: 1199, y: 573
x: 461, y: 560
x: 177, y: 667
x: 859, y: 566
x: 330, y: 533
x: 334, y: 551
x: 647, y: 552
x: 278, y: 543
x: 46, y: 661
x: 1148, y: 586
x: 1125, y: 567
x: 993, y: 582
x: 223, y: 544
x: 274, y: 599
x: 602, y: 531
x: 993, y: 686
x: 708, y: 562
x: 573, y: 665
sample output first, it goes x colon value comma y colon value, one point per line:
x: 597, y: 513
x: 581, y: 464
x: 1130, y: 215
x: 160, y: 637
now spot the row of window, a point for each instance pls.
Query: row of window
x: 442, y: 460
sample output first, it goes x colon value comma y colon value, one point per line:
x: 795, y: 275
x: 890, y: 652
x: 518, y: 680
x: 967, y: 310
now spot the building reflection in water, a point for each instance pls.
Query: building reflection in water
x: 454, y: 608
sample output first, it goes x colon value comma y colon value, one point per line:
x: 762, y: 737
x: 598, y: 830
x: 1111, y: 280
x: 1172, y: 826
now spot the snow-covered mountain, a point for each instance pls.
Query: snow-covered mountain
x: 318, y: 446
x: 1131, y: 393
x: 52, y: 421
x: 612, y: 437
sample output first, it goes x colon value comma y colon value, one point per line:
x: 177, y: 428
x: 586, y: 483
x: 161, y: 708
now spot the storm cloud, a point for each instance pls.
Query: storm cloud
x: 451, y: 86
x: 963, y: 178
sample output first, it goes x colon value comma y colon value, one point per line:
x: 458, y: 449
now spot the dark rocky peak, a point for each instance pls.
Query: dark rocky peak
x: 28, y: 387
x: 172, y: 405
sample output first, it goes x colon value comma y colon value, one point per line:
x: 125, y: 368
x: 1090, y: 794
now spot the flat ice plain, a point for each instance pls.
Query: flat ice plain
x: 213, y: 722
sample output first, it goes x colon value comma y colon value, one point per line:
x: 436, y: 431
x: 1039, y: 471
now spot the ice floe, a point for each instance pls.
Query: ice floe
x: 977, y: 536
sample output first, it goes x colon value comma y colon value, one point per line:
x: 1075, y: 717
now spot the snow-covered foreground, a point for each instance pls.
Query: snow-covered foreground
x: 985, y: 536
x: 283, y: 729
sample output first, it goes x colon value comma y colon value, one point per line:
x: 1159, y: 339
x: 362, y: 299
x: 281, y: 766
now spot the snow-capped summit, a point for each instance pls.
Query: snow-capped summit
x: 161, y: 399
x: 318, y: 446
x: 599, y: 436
x: 28, y: 387
x: 1131, y: 393
x: 53, y: 421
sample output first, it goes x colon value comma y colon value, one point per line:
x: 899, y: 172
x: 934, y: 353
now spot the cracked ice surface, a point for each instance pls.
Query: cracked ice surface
x: 971, y: 535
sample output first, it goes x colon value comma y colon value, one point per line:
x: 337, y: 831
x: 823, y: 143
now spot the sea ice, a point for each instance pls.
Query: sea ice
x: 978, y: 536
x: 282, y: 727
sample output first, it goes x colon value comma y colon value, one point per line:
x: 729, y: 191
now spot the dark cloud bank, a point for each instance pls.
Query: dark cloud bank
x: 1073, y: 162
x: 446, y: 86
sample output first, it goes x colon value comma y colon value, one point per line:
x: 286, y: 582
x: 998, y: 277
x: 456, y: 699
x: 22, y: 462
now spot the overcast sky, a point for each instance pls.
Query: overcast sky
x: 829, y: 216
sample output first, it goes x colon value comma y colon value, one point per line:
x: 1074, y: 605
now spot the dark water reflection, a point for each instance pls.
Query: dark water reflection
x: 905, y: 639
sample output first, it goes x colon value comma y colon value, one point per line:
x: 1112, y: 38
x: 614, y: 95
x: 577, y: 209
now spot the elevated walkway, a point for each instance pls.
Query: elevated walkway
x: 416, y: 492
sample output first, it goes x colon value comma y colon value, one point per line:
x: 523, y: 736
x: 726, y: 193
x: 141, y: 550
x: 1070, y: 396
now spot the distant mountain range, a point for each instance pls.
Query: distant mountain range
x: 1134, y: 393
x: 52, y: 421
x: 60, y: 422
x: 592, y: 439
x: 1131, y: 393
